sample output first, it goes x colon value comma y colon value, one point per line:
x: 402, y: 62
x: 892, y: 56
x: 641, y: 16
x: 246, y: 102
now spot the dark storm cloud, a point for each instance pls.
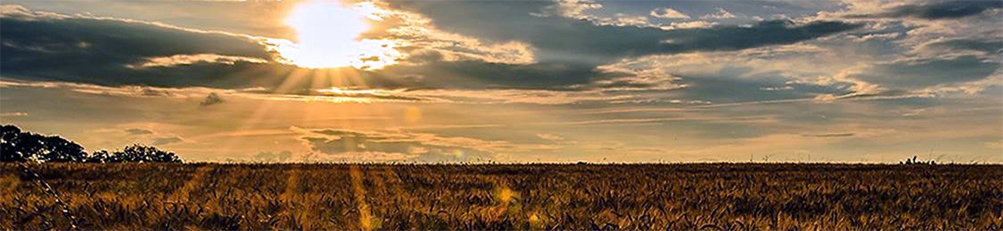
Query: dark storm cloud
x: 915, y: 74
x: 571, y: 40
x: 941, y: 10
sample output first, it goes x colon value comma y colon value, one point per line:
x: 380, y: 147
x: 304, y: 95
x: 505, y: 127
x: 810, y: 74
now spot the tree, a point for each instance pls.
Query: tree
x: 19, y: 146
x: 139, y: 153
x: 9, y: 137
x: 98, y: 157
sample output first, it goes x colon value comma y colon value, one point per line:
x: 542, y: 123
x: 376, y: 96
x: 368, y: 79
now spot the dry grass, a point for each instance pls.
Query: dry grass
x: 367, y: 197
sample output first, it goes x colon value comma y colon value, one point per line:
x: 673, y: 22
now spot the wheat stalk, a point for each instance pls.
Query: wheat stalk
x: 51, y: 192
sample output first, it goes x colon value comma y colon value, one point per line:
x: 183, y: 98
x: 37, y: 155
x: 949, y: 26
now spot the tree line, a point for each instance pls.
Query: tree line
x: 17, y: 145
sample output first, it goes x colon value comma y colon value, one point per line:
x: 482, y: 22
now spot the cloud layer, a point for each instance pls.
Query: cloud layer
x: 564, y: 80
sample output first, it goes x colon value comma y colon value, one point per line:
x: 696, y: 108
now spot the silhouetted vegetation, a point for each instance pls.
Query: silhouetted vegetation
x: 915, y: 161
x: 22, y: 146
x: 134, y: 153
x: 504, y: 197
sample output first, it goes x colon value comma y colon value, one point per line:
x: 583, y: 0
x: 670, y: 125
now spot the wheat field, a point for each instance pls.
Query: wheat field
x: 500, y: 197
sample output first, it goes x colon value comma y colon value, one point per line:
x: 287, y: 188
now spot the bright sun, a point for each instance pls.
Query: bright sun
x: 327, y: 35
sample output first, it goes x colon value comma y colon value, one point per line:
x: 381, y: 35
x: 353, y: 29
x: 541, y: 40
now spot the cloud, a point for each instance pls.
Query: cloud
x: 725, y: 38
x: 508, y: 57
x: 166, y: 140
x: 829, y: 135
x: 805, y: 72
x: 510, y: 96
x: 13, y: 114
x: 269, y: 156
x: 720, y: 14
x: 188, y: 59
x: 587, y: 43
x: 754, y: 75
x: 578, y: 9
x: 130, y: 91
x: 33, y: 42
x: 148, y: 54
x: 342, y: 141
x: 723, y: 89
x: 939, y: 10
x: 143, y: 135
x: 924, y: 73
x: 689, y: 25
x: 397, y: 145
x: 668, y: 13
x: 418, y: 38
x: 986, y: 46
x: 138, y: 131
x: 878, y: 36
x: 569, y: 8
x: 550, y: 137
x: 211, y: 99
x: 335, y: 95
x: 479, y: 75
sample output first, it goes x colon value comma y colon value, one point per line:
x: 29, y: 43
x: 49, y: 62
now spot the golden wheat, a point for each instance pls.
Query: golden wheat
x: 505, y: 197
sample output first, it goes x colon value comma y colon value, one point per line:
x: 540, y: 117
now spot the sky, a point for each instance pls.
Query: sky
x: 512, y: 81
